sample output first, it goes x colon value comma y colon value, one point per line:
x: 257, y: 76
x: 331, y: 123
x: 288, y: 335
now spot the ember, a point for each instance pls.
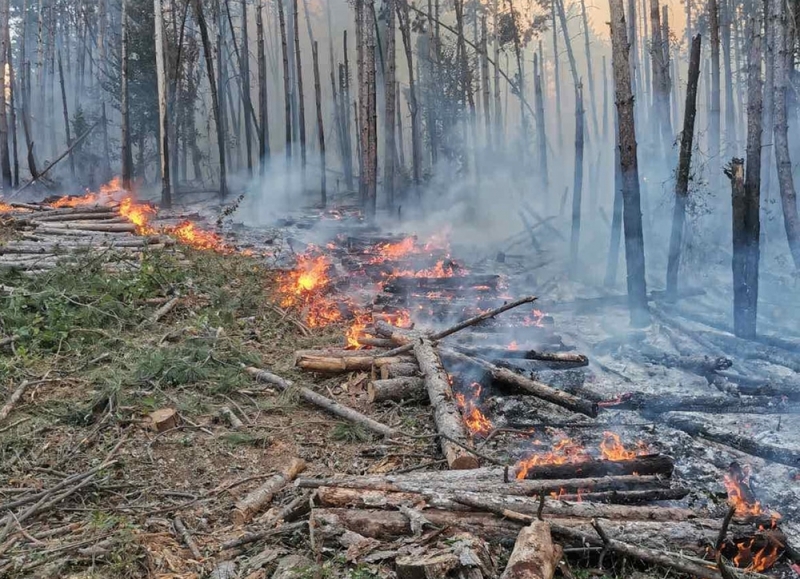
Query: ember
x: 475, y: 420
x: 4, y: 207
x: 535, y: 318
x: 357, y: 329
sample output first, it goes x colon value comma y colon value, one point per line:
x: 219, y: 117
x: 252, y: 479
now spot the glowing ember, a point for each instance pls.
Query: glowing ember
x: 737, y: 483
x: 475, y: 420
x: 187, y: 233
x: 534, y: 319
x: 513, y: 346
x: 388, y: 251
x: 137, y: 214
x: 4, y: 207
x: 568, y: 451
x: 439, y: 270
x: 400, y: 319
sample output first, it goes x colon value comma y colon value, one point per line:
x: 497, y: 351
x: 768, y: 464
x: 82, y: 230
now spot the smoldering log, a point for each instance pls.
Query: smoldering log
x: 445, y: 411
x: 654, y: 404
x: 364, y: 499
x: 700, y: 365
x: 396, y: 389
x: 753, y: 350
x: 698, y: 427
x: 764, y: 386
x: 654, y: 464
x: 409, y: 284
x: 543, y: 391
x: 487, y: 480
x: 500, y: 353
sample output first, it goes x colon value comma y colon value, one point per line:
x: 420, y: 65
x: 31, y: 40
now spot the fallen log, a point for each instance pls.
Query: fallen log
x: 340, y: 497
x: 432, y: 284
x: 374, y: 342
x: 500, y: 353
x: 400, y: 370
x: 396, y: 390
x: 655, y: 404
x: 697, y: 427
x: 753, y: 350
x: 64, y: 232
x: 247, y: 507
x: 534, y: 555
x: 543, y: 391
x: 445, y: 410
x: 763, y: 386
x: 93, y: 227
x: 628, y: 497
x: 462, y: 555
x: 488, y: 480
x: 78, y: 216
x: 700, y: 365
x: 322, y: 401
x: 677, y: 324
x: 652, y: 464
x: 355, y: 360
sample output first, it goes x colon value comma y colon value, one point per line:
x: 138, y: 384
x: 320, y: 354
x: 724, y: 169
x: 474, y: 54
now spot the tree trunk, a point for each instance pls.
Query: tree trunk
x: 484, y: 58
x: 730, y: 111
x: 263, y: 102
x: 344, y: 81
x: 498, y: 105
x: 5, y: 154
x: 362, y: 131
x: 659, y: 54
x: 300, y: 96
x: 783, y: 53
x: 320, y: 129
x: 541, y: 131
x: 13, y: 113
x: 163, y: 125
x: 389, y: 151
x: 589, y: 75
x: 632, y: 211
x: 287, y: 86
x: 401, y: 150
x: 405, y: 30
x: 616, y: 219
x: 102, y: 34
x: 216, y: 103
x: 577, y: 184
x: 127, y: 152
x: 65, y: 109
x: 245, y: 87
x: 684, y: 167
x: 557, y: 70
x: 769, y: 103
x: 714, y: 124
x: 371, y: 117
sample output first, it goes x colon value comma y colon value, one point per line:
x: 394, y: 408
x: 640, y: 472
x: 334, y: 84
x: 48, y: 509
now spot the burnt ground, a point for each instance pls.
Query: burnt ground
x: 98, y: 368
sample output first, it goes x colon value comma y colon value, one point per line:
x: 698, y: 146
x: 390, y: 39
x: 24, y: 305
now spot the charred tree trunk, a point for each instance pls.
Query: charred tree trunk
x: 102, y: 33
x: 287, y: 90
x: 682, y: 176
x: 616, y: 219
x: 730, y: 111
x: 484, y: 58
x: 320, y: 129
x: 783, y: 54
x: 632, y: 211
x: 556, y: 69
x: 216, y: 103
x: 577, y: 185
x: 263, y: 102
x: 714, y: 124
x: 362, y: 130
x: 769, y: 102
x: 163, y: 125
x: 372, y: 109
x: 498, y: 105
x: 300, y: 96
x: 344, y: 80
x: 127, y: 152
x: 405, y: 31
x: 658, y: 49
x: 13, y: 115
x: 244, y: 65
x: 389, y: 150
x: 541, y: 132
x: 65, y: 109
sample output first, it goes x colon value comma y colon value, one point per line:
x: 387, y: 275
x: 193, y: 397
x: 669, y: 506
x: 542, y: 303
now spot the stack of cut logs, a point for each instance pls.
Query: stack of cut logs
x: 50, y: 237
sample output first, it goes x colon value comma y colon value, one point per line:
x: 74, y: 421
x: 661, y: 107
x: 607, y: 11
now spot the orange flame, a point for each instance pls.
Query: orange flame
x: 568, y: 451
x: 4, y: 207
x: 303, y: 288
x: 138, y: 214
x: 513, y: 346
x: 760, y: 560
x: 103, y: 197
x: 389, y: 251
x: 534, y: 319
x: 356, y: 329
x: 475, y: 420
x: 187, y: 233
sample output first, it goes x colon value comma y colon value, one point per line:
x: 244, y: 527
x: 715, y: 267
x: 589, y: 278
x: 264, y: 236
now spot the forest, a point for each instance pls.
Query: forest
x: 486, y: 289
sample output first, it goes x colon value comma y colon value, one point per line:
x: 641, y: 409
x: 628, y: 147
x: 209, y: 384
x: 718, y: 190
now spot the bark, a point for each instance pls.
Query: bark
x: 371, y: 117
x: 589, y: 72
x: 257, y: 499
x: 127, y: 150
x: 389, y: 150
x: 320, y: 129
x: 484, y: 62
x: 446, y: 414
x: 102, y: 34
x: 684, y: 167
x: 534, y: 555
x: 13, y: 114
x: 287, y: 86
x: 163, y: 124
x: 362, y: 130
x: 263, y: 101
x: 642, y: 465
x: 5, y: 154
x: 744, y: 308
x: 782, y: 56
x: 405, y: 31
x: 616, y: 218
x: 65, y: 110
x: 660, y: 61
x: 323, y: 402
x: 767, y: 156
x: 577, y: 184
x: 730, y: 111
x: 715, y: 112
x: 632, y: 212
x: 344, y: 82
x: 498, y: 106
x: 556, y: 69
x: 401, y: 370
x: 541, y: 132
x: 216, y: 103
x: 396, y: 390
x: 342, y: 364
x: 245, y: 86
x: 300, y: 95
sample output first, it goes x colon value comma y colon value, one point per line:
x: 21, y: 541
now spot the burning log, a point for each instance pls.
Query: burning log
x: 396, y: 389
x: 651, y: 405
x: 652, y: 464
x: 543, y: 391
x: 445, y: 411
x: 360, y: 499
x: 488, y: 480
x: 477, y: 283
x: 500, y: 353
x: 697, y: 427
x: 534, y: 555
x: 323, y: 402
x: 401, y: 370
x: 247, y: 507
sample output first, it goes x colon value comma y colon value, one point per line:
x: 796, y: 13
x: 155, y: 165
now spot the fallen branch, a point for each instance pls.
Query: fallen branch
x: 396, y: 390
x: 184, y: 534
x: 164, y: 310
x: 323, y: 402
x: 13, y: 399
x: 255, y: 501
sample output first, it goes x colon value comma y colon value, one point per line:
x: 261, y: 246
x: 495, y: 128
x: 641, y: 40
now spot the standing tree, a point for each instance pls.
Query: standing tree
x: 389, y: 150
x: 714, y: 125
x: 163, y: 126
x: 320, y: 127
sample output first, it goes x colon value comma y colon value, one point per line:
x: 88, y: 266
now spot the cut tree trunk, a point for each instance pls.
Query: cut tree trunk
x: 396, y: 390
x: 402, y: 370
x: 642, y: 465
x: 632, y: 211
x: 446, y: 414
x: 251, y: 504
x: 744, y: 312
x: 684, y: 167
x: 534, y: 555
x: 340, y: 364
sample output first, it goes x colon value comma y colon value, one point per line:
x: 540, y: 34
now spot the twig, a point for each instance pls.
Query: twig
x: 165, y: 309
x: 15, y: 424
x: 15, y: 396
x: 184, y: 534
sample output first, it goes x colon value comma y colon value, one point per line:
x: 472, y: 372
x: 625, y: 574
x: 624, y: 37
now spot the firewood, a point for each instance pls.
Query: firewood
x: 165, y: 419
x: 754, y: 351
x: 82, y: 216
x: 487, y: 480
x: 396, y: 389
x: 323, y: 402
x: 763, y: 386
x: 654, y: 464
x: 543, y: 391
x: 14, y: 398
x: 94, y: 227
x: 462, y: 555
x: 428, y: 284
x: 402, y: 370
x: 65, y: 232
x: 700, y: 365
x: 374, y: 342
x: 500, y: 353
x: 247, y: 507
x: 534, y: 555
x: 359, y: 361
x: 445, y: 411
x: 447, y: 500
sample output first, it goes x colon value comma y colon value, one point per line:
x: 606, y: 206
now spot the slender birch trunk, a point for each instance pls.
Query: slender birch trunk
x: 163, y: 124
x: 320, y: 129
